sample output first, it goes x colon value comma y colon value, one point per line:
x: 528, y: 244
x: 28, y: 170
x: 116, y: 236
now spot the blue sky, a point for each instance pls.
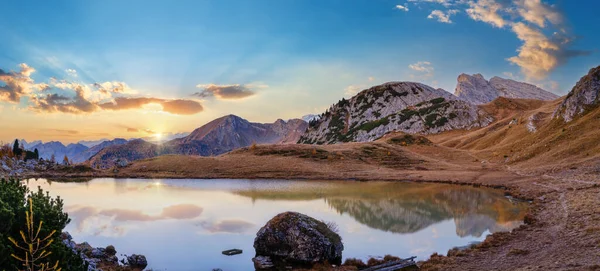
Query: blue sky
x: 273, y: 59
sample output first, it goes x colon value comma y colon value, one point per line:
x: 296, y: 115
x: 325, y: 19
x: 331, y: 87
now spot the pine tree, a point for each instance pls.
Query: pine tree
x: 16, y: 150
x: 37, y: 154
x: 66, y: 161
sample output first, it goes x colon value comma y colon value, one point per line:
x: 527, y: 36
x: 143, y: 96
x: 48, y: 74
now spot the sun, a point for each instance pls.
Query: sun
x: 158, y: 136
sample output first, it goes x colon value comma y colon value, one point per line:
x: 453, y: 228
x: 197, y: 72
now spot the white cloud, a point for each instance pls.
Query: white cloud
x: 421, y: 66
x: 530, y: 20
x: 441, y: 16
x: 371, y: 78
x: 536, y: 12
x: 401, y: 7
x: 445, y: 3
x: 71, y: 72
x: 487, y: 11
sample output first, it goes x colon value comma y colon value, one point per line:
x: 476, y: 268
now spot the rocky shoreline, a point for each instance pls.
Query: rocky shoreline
x: 104, y: 259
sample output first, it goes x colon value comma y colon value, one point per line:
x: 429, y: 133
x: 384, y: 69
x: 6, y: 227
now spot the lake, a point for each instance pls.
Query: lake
x: 185, y: 224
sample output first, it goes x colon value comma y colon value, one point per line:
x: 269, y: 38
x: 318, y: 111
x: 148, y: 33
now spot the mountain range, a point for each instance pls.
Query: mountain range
x: 408, y: 107
x: 216, y: 137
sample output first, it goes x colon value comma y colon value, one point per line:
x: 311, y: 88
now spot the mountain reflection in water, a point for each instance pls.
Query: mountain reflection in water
x: 185, y: 224
x: 402, y: 207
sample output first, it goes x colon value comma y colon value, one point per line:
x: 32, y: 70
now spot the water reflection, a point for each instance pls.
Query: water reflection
x: 185, y: 224
x: 410, y: 207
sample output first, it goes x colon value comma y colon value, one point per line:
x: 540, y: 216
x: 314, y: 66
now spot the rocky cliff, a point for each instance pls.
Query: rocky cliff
x: 395, y: 106
x: 475, y: 89
x: 585, y: 95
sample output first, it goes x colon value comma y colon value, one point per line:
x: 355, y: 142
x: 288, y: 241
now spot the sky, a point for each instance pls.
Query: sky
x: 86, y: 70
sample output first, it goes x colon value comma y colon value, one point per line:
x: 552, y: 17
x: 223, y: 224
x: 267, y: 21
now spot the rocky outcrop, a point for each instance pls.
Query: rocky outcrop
x: 475, y: 89
x: 292, y: 238
x: 397, y: 106
x: 99, y: 258
x: 585, y: 94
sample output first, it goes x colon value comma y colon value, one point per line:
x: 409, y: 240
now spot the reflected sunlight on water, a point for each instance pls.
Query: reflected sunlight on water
x: 185, y: 224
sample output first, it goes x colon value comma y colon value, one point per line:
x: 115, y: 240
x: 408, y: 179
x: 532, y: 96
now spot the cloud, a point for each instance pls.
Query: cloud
x: 179, y: 106
x: 536, y: 12
x: 371, y: 78
x: 18, y: 84
x: 401, y: 7
x: 86, y: 98
x: 539, y: 55
x: 441, y: 16
x: 421, y: 66
x: 132, y: 130
x: 445, y: 3
x: 71, y: 72
x: 487, y: 11
x: 531, y: 21
x: 226, y: 92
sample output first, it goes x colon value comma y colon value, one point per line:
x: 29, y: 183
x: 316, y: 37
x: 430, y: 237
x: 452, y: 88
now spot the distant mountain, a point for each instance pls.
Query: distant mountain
x: 310, y: 117
x: 475, y: 89
x: 396, y: 106
x: 585, y: 95
x: 165, y: 137
x: 27, y: 145
x: 59, y: 150
x: 216, y: 137
x: 87, y: 153
x: 92, y: 143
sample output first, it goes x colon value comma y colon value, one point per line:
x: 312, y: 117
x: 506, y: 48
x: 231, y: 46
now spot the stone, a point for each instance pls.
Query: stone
x: 110, y: 250
x: 294, y: 238
x: 262, y: 263
x: 137, y: 261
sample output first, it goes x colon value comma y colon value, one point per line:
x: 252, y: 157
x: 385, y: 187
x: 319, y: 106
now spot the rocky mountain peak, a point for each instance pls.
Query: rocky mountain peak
x: 475, y: 89
x: 584, y: 95
x: 395, y: 106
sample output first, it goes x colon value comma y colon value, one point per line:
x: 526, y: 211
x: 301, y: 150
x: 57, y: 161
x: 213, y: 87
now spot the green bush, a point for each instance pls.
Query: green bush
x: 13, y: 206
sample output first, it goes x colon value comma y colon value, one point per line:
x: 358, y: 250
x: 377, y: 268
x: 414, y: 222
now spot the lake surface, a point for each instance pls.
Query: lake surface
x: 185, y: 224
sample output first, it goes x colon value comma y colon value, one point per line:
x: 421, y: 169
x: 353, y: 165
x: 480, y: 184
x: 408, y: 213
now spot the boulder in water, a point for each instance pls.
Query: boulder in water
x: 294, y: 238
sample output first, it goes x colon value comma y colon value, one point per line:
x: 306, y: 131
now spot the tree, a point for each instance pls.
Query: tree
x: 66, y: 160
x: 53, y: 158
x: 17, y: 202
x: 37, y: 154
x: 16, y: 150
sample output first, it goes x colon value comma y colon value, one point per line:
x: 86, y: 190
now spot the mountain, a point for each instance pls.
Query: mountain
x: 91, y: 143
x: 396, y: 106
x: 475, y: 89
x: 310, y: 117
x: 585, y: 95
x: 216, y: 137
x: 164, y: 137
x: 27, y: 145
x: 87, y: 153
x: 59, y: 150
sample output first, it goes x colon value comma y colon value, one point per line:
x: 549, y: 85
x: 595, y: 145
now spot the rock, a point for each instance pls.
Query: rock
x: 262, y: 263
x: 475, y: 89
x: 586, y: 93
x: 137, y: 261
x: 110, y: 250
x: 295, y: 238
x: 98, y: 253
